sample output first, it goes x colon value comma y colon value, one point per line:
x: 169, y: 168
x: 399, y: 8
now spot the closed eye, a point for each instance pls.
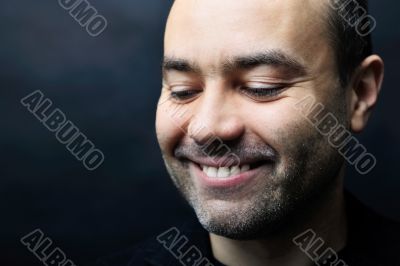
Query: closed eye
x: 256, y: 93
x: 183, y: 95
x: 262, y: 93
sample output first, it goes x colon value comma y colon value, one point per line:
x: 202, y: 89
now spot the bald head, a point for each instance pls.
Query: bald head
x: 211, y: 32
x: 293, y: 21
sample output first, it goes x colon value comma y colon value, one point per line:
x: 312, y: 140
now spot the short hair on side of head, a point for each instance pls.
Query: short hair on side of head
x: 351, y: 48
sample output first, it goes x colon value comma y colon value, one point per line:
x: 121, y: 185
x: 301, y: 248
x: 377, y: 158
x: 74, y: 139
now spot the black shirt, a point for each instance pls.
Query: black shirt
x: 372, y: 241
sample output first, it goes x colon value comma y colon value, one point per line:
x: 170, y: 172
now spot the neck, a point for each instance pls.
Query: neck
x: 327, y: 219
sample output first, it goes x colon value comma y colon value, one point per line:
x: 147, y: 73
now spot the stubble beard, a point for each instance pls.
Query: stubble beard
x: 306, y: 176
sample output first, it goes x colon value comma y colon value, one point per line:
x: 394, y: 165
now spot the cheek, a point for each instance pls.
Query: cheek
x: 169, y: 132
x: 275, y: 121
x: 285, y: 129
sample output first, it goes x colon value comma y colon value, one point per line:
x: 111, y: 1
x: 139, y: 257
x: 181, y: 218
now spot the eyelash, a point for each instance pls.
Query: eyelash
x: 255, y: 93
x: 183, y: 95
x: 261, y: 93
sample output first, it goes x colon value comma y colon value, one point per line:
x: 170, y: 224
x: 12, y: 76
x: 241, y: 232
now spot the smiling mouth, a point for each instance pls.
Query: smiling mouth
x: 228, y: 172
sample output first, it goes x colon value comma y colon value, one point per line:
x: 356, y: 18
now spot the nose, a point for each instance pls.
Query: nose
x: 216, y: 116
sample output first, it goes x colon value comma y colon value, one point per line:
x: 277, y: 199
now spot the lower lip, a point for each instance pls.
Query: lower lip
x: 239, y: 179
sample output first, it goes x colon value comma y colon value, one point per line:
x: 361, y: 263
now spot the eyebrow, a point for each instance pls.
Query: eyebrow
x: 275, y: 58
x: 181, y: 65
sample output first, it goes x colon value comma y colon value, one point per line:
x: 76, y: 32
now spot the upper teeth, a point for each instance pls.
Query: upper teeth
x: 224, y: 172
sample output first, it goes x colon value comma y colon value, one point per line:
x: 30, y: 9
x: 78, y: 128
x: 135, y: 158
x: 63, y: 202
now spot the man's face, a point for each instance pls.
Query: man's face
x: 233, y: 73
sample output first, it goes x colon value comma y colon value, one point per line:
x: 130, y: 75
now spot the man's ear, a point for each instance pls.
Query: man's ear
x: 365, y: 89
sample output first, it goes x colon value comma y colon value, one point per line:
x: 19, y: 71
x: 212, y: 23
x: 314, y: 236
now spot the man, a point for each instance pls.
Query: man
x: 265, y: 182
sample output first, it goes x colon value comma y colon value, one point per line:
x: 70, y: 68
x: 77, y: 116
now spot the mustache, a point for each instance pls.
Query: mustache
x: 246, y: 151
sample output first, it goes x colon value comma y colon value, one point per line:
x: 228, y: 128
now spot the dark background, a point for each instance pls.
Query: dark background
x: 108, y: 86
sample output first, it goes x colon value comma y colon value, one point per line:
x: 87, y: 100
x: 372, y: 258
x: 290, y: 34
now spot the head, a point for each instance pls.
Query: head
x: 231, y: 139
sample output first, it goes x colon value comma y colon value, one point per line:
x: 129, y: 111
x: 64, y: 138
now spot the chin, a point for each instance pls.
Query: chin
x: 240, y: 221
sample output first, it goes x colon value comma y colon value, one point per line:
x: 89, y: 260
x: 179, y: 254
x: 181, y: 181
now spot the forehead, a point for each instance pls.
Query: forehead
x: 208, y: 31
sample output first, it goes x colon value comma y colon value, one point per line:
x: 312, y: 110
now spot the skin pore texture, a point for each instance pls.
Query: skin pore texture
x: 234, y: 70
